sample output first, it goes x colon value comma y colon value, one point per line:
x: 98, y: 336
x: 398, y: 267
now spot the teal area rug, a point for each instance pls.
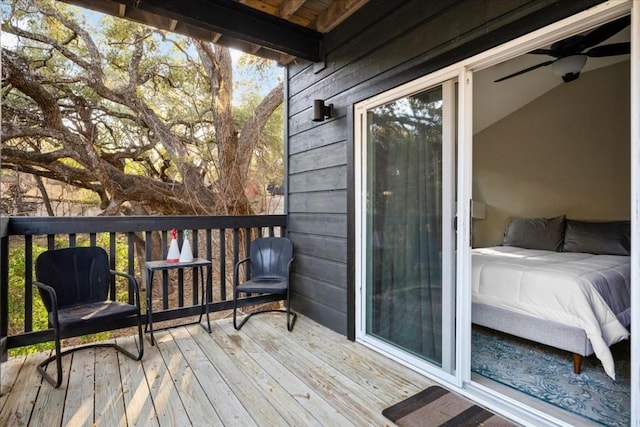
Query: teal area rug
x: 547, y: 374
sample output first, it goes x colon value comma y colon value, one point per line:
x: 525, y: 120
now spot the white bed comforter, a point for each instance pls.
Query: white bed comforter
x: 561, y: 286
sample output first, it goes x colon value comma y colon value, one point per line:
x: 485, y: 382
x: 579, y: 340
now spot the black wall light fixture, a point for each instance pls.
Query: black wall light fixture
x: 321, y: 111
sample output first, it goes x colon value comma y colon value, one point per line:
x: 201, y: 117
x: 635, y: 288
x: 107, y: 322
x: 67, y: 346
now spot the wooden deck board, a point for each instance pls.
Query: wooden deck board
x: 49, y: 406
x: 79, y: 404
x: 261, y: 376
x: 242, y: 385
x: 195, y: 399
x: 109, y: 403
x: 135, y: 389
x: 342, y: 391
x: 267, y: 387
x: 166, y: 400
x: 226, y: 404
x: 302, y: 392
x: 8, y: 373
x: 20, y: 401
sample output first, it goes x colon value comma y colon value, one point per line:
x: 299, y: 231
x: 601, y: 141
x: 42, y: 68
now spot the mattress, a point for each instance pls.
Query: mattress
x: 591, y: 292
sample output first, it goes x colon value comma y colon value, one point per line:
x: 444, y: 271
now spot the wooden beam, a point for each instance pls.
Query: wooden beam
x: 255, y: 48
x: 286, y: 59
x: 289, y: 7
x: 337, y: 12
x: 240, y: 22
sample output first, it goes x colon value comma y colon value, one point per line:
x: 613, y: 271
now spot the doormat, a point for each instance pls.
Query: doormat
x: 438, y: 407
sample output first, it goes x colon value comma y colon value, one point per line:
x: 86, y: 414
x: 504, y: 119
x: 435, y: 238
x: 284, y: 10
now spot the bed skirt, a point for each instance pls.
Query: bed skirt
x: 546, y: 332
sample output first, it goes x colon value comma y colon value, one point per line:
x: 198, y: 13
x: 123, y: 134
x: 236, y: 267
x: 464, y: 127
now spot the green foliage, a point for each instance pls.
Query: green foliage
x: 17, y: 294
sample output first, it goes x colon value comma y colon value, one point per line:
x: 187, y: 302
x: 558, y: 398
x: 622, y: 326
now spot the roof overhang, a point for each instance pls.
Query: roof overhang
x: 224, y: 22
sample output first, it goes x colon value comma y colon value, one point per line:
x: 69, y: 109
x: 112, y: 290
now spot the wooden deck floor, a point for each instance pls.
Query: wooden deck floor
x: 261, y: 376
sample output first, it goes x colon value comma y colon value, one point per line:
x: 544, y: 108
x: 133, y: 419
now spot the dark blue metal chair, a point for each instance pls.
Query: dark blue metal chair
x: 269, y: 261
x: 74, y: 285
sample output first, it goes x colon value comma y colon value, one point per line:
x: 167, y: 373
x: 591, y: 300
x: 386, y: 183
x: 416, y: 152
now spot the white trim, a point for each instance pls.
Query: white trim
x: 419, y: 85
x: 448, y: 233
x: 463, y: 273
x: 360, y: 141
x: 635, y: 214
x: 558, y: 30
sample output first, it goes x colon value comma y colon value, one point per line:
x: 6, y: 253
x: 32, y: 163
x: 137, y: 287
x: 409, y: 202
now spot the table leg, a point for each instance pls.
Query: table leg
x: 205, y: 301
x: 149, y: 324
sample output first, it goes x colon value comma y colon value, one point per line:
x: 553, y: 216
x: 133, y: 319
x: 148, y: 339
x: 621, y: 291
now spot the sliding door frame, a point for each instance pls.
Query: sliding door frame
x: 446, y: 79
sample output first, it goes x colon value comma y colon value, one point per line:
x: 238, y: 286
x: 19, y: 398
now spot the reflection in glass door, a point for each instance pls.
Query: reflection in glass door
x: 407, y: 274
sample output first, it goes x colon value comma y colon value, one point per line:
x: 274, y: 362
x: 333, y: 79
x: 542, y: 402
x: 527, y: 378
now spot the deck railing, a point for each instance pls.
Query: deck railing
x: 129, y: 241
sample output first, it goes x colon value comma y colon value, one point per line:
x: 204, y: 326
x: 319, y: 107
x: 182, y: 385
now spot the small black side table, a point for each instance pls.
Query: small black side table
x: 153, y: 266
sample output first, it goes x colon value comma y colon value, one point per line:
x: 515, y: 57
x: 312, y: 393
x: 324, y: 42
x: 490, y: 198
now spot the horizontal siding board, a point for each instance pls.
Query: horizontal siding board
x: 322, y: 314
x: 315, y: 136
x: 320, y: 269
x: 322, y: 157
x: 456, y: 26
x: 324, y: 293
x: 331, y: 248
x: 334, y: 225
x: 319, y: 180
x: 329, y: 131
x: 367, y: 17
x: 298, y: 66
x: 334, y: 201
x: 367, y: 40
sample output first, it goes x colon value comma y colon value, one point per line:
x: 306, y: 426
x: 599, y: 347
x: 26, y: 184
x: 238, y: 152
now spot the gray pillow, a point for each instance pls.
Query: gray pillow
x: 535, y: 233
x: 599, y: 238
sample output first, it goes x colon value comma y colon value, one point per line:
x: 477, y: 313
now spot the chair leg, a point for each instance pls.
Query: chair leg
x: 42, y: 367
x: 139, y: 346
x: 291, y: 316
x: 235, y: 307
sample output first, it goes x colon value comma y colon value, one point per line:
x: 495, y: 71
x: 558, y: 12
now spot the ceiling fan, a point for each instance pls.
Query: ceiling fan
x: 571, y: 53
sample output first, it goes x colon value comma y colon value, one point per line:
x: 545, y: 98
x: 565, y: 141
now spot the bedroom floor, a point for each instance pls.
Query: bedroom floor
x: 554, y: 411
x: 542, y: 377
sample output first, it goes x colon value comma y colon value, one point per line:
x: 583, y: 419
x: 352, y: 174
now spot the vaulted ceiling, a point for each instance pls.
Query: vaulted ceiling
x: 280, y: 30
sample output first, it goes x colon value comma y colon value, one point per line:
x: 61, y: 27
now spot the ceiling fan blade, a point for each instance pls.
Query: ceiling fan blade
x: 609, y: 50
x: 526, y: 70
x: 566, y: 47
x: 544, y: 52
x: 603, y: 32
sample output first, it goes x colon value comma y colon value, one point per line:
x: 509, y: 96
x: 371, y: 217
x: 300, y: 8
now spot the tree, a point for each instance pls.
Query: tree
x: 141, y: 117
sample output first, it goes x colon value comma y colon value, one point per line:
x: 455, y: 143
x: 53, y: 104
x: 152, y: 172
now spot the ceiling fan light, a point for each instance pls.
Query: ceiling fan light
x: 569, y: 65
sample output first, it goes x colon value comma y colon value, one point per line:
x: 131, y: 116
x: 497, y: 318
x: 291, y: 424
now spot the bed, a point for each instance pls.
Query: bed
x: 563, y: 283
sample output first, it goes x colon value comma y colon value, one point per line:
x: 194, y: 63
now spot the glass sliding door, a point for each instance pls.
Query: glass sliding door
x: 406, y: 229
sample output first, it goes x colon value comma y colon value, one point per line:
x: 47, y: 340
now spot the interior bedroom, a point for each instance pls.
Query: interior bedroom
x: 552, y: 175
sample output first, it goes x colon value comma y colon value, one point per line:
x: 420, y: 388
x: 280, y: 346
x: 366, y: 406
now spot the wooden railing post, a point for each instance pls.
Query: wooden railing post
x: 4, y: 286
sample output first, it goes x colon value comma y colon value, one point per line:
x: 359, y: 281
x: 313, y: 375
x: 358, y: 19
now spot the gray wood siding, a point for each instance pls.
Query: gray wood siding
x: 385, y: 44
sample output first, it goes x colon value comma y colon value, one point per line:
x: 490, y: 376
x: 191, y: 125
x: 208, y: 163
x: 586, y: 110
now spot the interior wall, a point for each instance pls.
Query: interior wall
x: 566, y: 152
